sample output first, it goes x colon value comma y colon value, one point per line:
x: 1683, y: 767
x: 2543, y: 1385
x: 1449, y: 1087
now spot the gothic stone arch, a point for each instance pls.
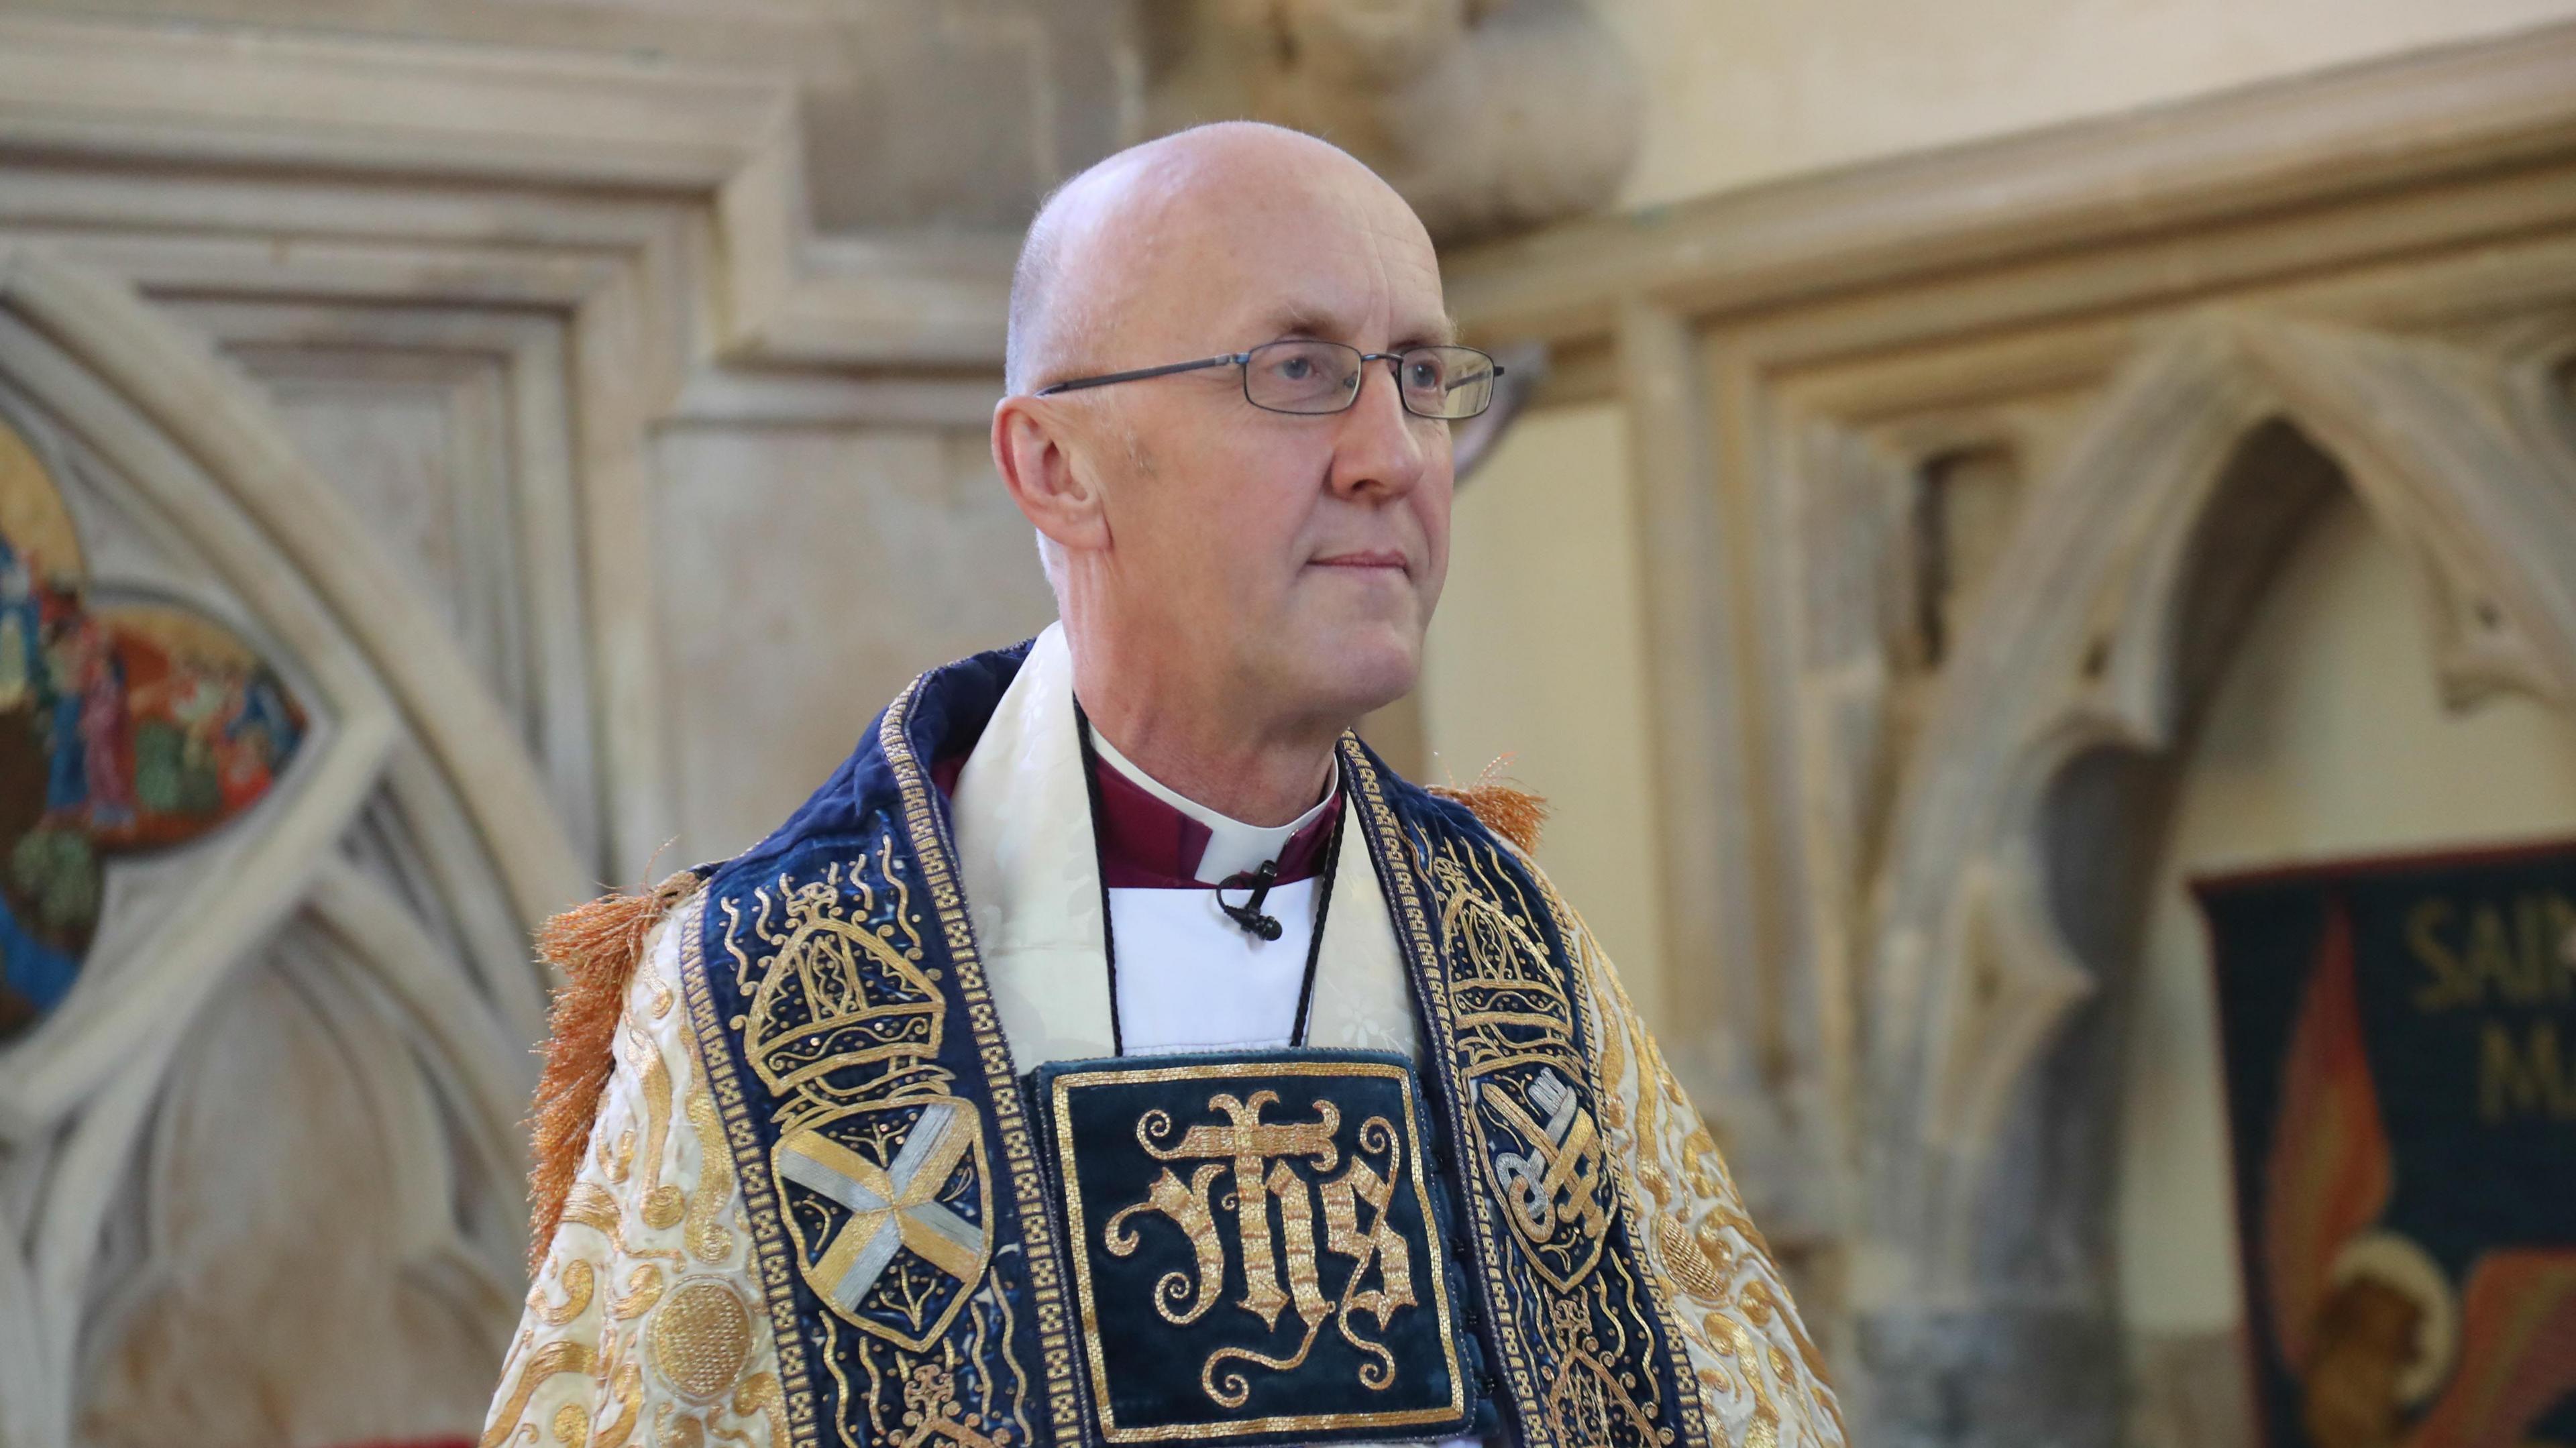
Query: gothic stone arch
x: 290, y: 1065
x: 2145, y: 551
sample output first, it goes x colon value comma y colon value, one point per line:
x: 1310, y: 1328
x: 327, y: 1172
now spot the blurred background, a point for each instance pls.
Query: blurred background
x: 1983, y: 466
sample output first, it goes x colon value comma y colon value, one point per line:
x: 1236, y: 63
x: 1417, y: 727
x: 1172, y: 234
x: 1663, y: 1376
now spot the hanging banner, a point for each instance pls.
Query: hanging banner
x: 2399, y: 1038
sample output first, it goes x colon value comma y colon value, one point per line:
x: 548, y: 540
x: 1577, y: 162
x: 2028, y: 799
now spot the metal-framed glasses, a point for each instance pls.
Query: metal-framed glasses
x: 1309, y: 378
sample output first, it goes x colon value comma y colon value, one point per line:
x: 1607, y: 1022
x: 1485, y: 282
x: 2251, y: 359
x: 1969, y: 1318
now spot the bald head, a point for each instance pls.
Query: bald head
x: 1226, y: 572
x: 1105, y: 238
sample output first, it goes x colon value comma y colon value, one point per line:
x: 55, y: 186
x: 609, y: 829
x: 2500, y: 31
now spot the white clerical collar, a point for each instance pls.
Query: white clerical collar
x: 1234, y: 848
x: 1029, y: 858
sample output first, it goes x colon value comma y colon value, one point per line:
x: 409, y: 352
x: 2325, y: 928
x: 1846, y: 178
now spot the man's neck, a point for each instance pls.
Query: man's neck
x: 1260, y: 771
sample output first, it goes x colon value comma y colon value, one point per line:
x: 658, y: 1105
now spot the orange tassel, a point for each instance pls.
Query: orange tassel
x: 596, y: 946
x: 1508, y: 810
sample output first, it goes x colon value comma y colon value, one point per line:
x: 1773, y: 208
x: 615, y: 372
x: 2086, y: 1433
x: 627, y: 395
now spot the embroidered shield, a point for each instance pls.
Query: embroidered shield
x: 889, y: 1206
x: 1543, y: 1155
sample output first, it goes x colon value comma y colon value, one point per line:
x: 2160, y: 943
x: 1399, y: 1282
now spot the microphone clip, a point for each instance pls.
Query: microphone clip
x: 1249, y: 914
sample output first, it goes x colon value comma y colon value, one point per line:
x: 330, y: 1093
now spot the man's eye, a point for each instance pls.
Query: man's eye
x: 1423, y: 376
x: 1296, y: 369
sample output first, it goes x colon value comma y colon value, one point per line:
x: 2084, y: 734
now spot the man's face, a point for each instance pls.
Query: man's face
x: 1297, y: 555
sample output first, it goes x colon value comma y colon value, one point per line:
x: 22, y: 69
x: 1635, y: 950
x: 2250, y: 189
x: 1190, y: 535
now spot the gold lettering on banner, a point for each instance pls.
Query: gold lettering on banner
x: 1263, y: 1158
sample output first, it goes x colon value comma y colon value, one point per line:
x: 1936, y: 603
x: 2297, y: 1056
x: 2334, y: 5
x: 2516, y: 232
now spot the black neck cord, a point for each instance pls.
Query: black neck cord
x: 1243, y: 915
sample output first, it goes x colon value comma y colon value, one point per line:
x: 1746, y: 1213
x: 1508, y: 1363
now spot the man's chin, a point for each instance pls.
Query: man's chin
x: 1364, y: 669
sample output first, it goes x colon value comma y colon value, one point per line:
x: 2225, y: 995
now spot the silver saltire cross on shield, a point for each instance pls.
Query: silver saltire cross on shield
x: 890, y: 1207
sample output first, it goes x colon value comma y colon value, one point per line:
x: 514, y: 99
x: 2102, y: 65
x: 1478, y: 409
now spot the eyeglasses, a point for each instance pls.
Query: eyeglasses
x: 1311, y: 378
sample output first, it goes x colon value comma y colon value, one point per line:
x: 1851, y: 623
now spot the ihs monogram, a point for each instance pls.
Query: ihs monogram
x: 1262, y: 1160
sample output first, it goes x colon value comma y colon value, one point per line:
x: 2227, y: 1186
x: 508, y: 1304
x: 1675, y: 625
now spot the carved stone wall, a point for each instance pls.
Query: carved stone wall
x: 259, y: 1157
x: 875, y: 86
x: 1491, y: 116
x: 1958, y: 478
x: 583, y: 498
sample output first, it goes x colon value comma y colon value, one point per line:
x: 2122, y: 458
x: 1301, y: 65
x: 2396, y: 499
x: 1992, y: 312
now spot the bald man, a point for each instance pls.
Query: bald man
x: 1114, y: 1050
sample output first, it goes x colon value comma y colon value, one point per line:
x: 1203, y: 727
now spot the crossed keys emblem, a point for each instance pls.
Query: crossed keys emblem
x: 1556, y: 1181
x: 900, y: 1259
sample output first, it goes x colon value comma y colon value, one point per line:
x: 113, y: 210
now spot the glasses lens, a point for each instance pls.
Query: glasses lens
x: 1450, y: 382
x: 1302, y: 376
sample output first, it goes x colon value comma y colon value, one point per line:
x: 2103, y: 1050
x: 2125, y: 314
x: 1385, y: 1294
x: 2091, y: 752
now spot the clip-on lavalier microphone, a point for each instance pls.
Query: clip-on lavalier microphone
x: 1248, y: 914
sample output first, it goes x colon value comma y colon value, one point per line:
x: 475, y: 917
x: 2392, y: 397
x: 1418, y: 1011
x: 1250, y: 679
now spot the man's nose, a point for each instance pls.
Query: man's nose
x: 1381, y: 447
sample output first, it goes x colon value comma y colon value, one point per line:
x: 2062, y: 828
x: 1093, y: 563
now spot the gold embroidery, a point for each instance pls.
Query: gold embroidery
x: 1250, y: 1144
x: 572, y: 1425
x: 643, y: 1289
x: 1684, y: 1258
x: 1261, y: 1157
x: 705, y: 1232
x: 1010, y: 1124
x: 1188, y: 1209
x: 1504, y: 1016
x: 627, y: 1386
x: 1723, y: 1262
x: 699, y: 1339
x: 552, y: 1360
x: 673, y: 1429
x: 835, y: 994
x: 613, y: 1153
x: 770, y: 1251
x: 1587, y: 1403
x: 878, y: 1174
x: 661, y: 1200
x: 577, y: 1282
x: 759, y: 1393
x: 1735, y: 1339
x: 1564, y: 1184
x: 591, y: 1206
x: 932, y: 1413
x: 1380, y: 1242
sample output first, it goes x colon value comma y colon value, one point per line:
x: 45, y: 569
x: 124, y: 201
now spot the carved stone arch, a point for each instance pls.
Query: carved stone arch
x: 2135, y: 556
x: 365, y: 875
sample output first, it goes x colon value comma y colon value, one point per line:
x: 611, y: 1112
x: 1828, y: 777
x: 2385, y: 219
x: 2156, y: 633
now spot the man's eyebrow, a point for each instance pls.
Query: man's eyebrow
x: 1297, y: 321
x: 1441, y: 333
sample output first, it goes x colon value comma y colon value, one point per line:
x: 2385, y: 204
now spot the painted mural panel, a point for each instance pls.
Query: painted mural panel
x: 2399, y: 1039
x: 127, y: 724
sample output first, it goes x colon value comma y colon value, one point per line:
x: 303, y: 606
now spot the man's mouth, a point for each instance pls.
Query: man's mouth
x: 1367, y: 558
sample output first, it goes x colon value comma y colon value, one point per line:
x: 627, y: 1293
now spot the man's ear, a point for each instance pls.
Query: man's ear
x: 1036, y: 454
